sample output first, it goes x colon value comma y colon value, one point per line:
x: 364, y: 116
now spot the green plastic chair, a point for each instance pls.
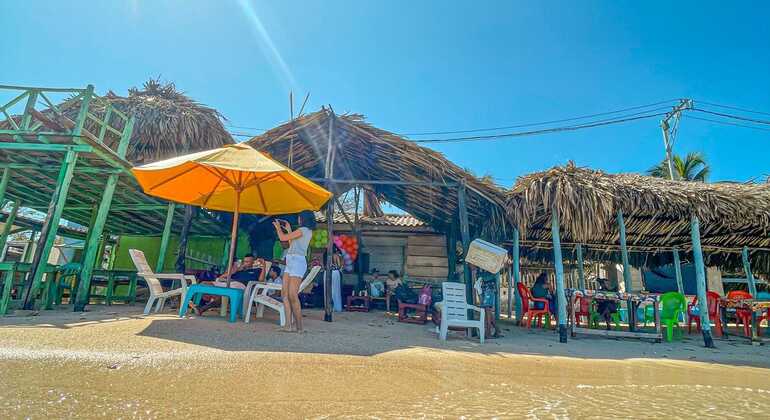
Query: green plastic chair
x: 673, y: 306
x: 595, y: 318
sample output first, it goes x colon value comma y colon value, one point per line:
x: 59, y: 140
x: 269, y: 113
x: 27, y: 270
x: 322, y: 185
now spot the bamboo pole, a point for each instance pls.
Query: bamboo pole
x: 624, y: 252
x: 559, y: 266
x: 462, y: 211
x: 4, y: 184
x: 700, y: 277
x: 164, y: 240
x: 329, y: 174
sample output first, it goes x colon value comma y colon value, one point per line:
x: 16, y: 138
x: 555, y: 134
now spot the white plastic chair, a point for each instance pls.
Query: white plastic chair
x: 260, y: 298
x: 153, y: 283
x: 250, y: 285
x: 454, y: 312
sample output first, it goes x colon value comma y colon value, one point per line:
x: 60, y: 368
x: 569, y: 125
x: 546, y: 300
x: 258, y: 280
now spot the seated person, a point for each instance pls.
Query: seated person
x: 376, y: 286
x: 242, y: 274
x: 542, y: 290
x: 486, y: 286
x: 273, y: 276
x: 604, y: 307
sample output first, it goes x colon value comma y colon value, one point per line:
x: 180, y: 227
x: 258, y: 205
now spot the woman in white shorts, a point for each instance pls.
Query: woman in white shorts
x: 296, y: 265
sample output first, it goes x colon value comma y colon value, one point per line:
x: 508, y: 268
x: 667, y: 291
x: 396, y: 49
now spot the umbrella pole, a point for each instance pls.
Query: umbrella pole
x: 233, y: 236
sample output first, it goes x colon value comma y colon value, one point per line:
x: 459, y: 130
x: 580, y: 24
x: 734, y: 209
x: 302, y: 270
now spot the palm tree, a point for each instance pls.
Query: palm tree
x: 692, y: 168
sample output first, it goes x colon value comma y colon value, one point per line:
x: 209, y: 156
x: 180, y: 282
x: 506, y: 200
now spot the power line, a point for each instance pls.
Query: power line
x: 538, y: 132
x: 726, y: 123
x: 736, y: 117
x: 245, y: 128
x: 477, y: 130
x: 735, y: 108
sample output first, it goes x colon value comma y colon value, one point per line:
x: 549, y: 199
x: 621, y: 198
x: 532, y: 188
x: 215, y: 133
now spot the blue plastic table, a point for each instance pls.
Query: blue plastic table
x: 196, y: 292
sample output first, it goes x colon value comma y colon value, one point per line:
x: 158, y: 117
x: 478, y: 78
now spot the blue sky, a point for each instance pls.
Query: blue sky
x: 427, y: 66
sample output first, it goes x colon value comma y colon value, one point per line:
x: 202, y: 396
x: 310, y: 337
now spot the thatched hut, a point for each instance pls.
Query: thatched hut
x: 416, y: 179
x: 168, y: 123
x: 656, y: 213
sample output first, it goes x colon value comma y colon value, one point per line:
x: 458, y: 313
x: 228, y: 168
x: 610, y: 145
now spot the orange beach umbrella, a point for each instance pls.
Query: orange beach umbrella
x: 233, y: 178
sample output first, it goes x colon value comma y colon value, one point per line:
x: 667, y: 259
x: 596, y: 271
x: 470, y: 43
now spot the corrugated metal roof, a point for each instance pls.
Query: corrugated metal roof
x: 396, y: 220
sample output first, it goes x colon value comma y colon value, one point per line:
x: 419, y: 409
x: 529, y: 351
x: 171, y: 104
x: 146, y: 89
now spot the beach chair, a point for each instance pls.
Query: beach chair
x: 454, y: 311
x: 260, y: 298
x: 672, y: 306
x: 529, y: 312
x: 714, y: 313
x: 742, y: 316
x: 157, y: 295
x: 250, y: 285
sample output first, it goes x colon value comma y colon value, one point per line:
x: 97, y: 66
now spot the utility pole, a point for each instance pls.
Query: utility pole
x: 669, y: 131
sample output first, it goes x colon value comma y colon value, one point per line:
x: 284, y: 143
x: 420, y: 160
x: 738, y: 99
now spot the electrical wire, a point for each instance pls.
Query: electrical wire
x: 538, y: 132
x: 477, y: 130
x: 726, y: 123
x: 734, y: 108
x: 735, y: 117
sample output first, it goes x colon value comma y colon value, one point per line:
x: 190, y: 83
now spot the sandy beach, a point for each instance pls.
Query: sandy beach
x: 114, y: 362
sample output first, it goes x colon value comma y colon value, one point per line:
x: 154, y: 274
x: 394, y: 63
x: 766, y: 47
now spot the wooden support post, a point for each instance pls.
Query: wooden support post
x: 93, y: 245
x: 164, y: 240
x: 678, y: 271
x: 49, y: 228
x: 561, y: 298
x: 462, y: 211
x: 4, y: 184
x: 7, y: 228
x: 624, y: 252
x: 700, y: 280
x: 749, y: 274
x: 451, y: 251
x: 26, y: 257
x: 626, y: 270
x: 181, y: 253
x: 581, y: 272
x: 516, y: 273
x: 329, y: 174
x: 498, y: 282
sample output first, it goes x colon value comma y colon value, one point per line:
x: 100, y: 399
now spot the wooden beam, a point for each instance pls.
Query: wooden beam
x: 561, y: 298
x: 7, y: 227
x: 4, y: 184
x: 624, y: 252
x: 329, y: 174
x: 516, y: 275
x: 700, y: 280
x: 387, y: 182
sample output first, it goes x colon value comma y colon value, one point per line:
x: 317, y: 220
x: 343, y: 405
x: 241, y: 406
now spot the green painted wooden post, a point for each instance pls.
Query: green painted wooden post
x: 747, y: 270
x: 516, y: 272
x: 700, y: 277
x: 558, y: 263
x: 225, y: 253
x: 678, y: 271
x: 498, y: 282
x: 4, y: 184
x: 624, y: 252
x: 164, y: 240
x: 30, y: 244
x: 92, y: 247
x: 7, y: 227
x: 5, y: 296
x: 48, y: 231
x: 581, y: 272
x: 26, y: 118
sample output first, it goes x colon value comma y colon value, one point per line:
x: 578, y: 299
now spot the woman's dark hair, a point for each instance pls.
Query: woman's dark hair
x: 307, y: 219
x: 276, y: 269
x: 542, y: 278
x: 394, y: 273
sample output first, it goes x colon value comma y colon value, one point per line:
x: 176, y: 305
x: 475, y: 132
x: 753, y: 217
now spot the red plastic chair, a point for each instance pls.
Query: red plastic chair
x: 714, y: 313
x: 530, y: 313
x: 743, y: 315
x: 583, y: 310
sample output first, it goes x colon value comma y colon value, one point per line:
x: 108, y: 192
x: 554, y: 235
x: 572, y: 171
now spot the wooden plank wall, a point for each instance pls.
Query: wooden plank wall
x: 426, y: 257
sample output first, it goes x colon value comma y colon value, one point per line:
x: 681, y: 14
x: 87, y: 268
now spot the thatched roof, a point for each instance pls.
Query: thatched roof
x: 656, y: 211
x: 167, y: 122
x: 364, y: 152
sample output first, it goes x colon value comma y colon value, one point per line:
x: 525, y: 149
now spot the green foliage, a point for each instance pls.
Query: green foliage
x: 692, y: 168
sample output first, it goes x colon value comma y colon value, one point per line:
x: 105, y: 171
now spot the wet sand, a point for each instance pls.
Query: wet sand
x: 115, y: 363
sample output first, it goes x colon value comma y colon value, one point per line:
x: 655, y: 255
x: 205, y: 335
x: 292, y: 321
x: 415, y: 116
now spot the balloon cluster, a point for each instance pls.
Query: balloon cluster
x: 348, y: 245
x: 320, y: 238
